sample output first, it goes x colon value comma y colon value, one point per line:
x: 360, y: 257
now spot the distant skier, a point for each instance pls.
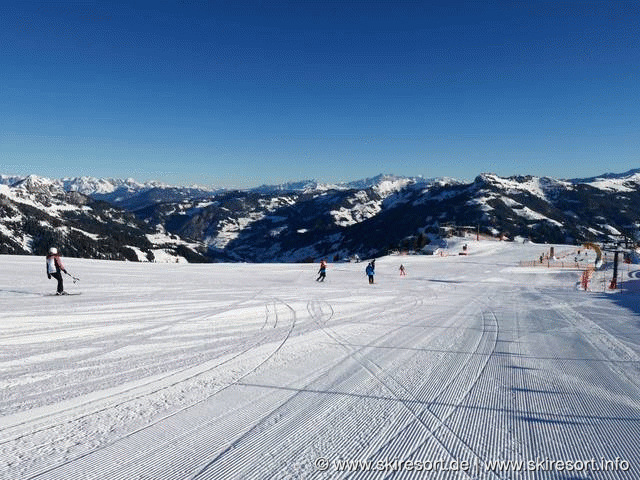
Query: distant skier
x: 403, y: 271
x: 323, y: 271
x: 370, y: 271
x: 55, y: 269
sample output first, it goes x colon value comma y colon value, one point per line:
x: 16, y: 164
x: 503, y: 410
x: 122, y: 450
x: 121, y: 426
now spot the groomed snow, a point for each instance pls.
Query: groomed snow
x: 237, y: 371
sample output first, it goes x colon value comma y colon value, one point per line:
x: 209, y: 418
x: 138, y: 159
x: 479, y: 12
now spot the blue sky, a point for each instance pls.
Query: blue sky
x: 239, y: 94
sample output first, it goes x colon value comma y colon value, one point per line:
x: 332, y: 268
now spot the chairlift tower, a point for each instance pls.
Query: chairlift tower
x: 617, y: 247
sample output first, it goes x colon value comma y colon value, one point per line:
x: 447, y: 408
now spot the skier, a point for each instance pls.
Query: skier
x: 55, y: 269
x: 370, y: 271
x: 323, y: 270
x: 403, y: 271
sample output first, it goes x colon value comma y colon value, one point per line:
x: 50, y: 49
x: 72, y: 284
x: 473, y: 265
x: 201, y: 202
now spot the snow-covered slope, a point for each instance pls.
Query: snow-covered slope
x: 10, y: 179
x: 623, y: 182
x: 607, y: 176
x: 236, y: 371
x: 543, y: 187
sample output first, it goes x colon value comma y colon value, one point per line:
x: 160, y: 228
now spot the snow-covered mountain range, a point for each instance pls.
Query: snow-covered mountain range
x: 36, y: 213
x: 302, y: 221
x: 128, y: 193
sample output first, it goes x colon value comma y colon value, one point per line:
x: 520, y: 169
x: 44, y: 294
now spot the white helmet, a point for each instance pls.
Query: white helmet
x: 53, y: 250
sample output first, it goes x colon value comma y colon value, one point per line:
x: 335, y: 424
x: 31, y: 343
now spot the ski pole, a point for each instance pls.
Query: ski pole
x: 74, y: 278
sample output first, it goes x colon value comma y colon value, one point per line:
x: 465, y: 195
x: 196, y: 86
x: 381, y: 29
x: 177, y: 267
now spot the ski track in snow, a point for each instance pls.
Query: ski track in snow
x: 255, y: 371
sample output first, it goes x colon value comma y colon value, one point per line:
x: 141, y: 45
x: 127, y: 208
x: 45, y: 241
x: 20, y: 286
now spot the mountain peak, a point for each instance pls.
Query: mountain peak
x: 39, y: 185
x: 608, y: 176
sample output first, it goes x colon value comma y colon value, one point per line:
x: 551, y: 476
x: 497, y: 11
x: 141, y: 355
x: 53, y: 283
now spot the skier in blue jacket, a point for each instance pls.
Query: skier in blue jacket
x: 370, y: 271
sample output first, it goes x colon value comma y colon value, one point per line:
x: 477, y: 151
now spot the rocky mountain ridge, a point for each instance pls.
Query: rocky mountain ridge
x: 302, y: 221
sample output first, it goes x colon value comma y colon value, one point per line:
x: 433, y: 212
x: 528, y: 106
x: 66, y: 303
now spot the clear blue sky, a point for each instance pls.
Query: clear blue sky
x: 241, y: 94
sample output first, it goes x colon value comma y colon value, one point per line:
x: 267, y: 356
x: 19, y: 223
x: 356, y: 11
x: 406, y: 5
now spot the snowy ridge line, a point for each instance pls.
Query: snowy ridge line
x: 172, y: 414
x: 178, y: 375
x: 362, y: 360
x: 253, y: 441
